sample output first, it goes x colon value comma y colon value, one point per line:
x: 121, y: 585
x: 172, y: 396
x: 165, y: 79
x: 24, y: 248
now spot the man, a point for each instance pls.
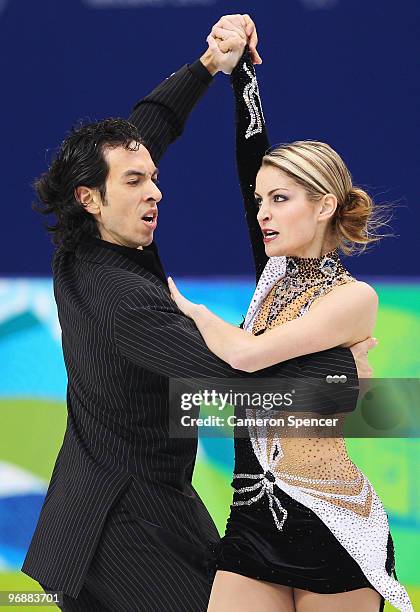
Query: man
x: 121, y: 527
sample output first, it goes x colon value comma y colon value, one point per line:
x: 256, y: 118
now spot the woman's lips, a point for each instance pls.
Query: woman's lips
x: 269, y: 235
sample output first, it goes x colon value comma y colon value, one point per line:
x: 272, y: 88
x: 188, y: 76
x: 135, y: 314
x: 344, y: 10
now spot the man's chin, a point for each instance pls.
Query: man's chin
x: 145, y: 242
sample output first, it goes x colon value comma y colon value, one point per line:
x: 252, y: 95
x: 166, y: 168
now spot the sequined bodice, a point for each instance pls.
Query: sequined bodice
x: 306, y: 280
x: 321, y: 465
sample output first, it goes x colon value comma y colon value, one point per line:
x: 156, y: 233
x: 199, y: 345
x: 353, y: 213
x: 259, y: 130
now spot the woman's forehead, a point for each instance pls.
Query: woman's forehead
x: 271, y: 177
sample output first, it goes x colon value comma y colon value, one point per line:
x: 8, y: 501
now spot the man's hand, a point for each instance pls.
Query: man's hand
x: 244, y: 27
x: 360, y: 354
x: 227, y: 41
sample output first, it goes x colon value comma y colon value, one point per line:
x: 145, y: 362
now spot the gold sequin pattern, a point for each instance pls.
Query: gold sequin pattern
x: 306, y: 280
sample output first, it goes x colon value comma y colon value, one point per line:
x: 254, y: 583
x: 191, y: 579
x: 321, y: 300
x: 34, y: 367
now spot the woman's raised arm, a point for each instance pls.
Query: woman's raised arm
x: 251, y: 145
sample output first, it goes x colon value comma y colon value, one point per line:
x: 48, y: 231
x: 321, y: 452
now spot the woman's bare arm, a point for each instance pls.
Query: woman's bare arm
x: 343, y: 317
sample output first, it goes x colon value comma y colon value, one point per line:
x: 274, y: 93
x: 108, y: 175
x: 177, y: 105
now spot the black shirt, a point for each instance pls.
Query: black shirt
x: 147, y: 258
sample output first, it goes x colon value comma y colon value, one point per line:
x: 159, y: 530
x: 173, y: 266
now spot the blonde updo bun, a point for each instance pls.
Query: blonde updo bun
x: 320, y: 170
x: 353, y: 220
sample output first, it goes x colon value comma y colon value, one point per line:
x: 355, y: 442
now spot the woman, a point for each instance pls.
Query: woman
x: 306, y: 531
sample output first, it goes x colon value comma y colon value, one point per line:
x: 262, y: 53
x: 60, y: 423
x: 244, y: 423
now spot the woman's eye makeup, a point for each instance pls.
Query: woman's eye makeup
x: 277, y: 197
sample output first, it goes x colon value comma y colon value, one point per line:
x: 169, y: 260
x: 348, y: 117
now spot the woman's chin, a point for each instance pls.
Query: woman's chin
x: 274, y: 250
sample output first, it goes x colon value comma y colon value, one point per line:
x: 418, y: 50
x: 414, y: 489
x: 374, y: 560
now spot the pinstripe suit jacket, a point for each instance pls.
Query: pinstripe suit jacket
x: 122, y: 339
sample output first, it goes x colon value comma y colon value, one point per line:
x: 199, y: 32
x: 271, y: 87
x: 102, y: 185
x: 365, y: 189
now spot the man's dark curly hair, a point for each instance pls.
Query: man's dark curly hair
x: 80, y: 161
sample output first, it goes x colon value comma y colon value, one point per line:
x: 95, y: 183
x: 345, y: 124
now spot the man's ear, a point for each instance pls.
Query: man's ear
x: 328, y: 207
x: 88, y: 198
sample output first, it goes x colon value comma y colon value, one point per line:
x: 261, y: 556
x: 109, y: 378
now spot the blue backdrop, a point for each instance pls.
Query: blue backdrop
x: 341, y: 71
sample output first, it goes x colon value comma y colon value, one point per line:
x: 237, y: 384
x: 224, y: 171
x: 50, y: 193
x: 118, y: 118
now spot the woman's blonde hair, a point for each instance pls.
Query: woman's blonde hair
x: 320, y: 170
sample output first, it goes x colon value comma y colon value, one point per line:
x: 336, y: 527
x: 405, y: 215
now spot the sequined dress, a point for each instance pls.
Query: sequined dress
x: 303, y: 514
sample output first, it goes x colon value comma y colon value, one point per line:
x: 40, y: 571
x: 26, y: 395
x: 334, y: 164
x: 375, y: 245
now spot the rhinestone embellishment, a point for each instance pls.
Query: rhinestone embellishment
x: 265, y: 485
x: 292, y: 268
x: 252, y: 100
x: 328, y: 266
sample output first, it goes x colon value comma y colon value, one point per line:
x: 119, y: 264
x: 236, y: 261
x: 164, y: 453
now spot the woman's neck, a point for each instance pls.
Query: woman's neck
x: 314, y: 250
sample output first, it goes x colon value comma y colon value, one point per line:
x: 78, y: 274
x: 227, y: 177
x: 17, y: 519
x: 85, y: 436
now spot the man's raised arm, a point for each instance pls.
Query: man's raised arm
x: 160, y: 117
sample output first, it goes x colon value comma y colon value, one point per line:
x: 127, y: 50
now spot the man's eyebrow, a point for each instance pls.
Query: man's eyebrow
x: 138, y: 173
x: 273, y: 190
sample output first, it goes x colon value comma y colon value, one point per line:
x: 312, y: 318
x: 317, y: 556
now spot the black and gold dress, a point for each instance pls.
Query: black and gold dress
x: 303, y: 514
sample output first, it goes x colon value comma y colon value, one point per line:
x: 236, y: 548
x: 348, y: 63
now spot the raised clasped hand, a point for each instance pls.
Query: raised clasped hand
x: 228, y: 38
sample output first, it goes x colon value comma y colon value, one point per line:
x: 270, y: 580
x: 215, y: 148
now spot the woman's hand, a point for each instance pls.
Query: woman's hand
x: 227, y: 41
x: 241, y: 25
x: 223, y: 339
x: 185, y: 306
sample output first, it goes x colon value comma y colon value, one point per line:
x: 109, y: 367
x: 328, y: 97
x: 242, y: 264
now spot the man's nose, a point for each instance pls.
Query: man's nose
x: 154, y: 194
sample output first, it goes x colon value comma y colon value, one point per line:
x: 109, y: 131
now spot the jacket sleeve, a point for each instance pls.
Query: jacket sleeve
x: 251, y: 145
x: 160, y: 117
x: 152, y: 333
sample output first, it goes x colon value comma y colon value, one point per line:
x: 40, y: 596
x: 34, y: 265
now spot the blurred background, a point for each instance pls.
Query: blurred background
x: 342, y: 71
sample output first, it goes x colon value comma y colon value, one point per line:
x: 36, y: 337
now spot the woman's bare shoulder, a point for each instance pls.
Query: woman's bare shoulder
x: 362, y: 292
x: 357, y: 293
